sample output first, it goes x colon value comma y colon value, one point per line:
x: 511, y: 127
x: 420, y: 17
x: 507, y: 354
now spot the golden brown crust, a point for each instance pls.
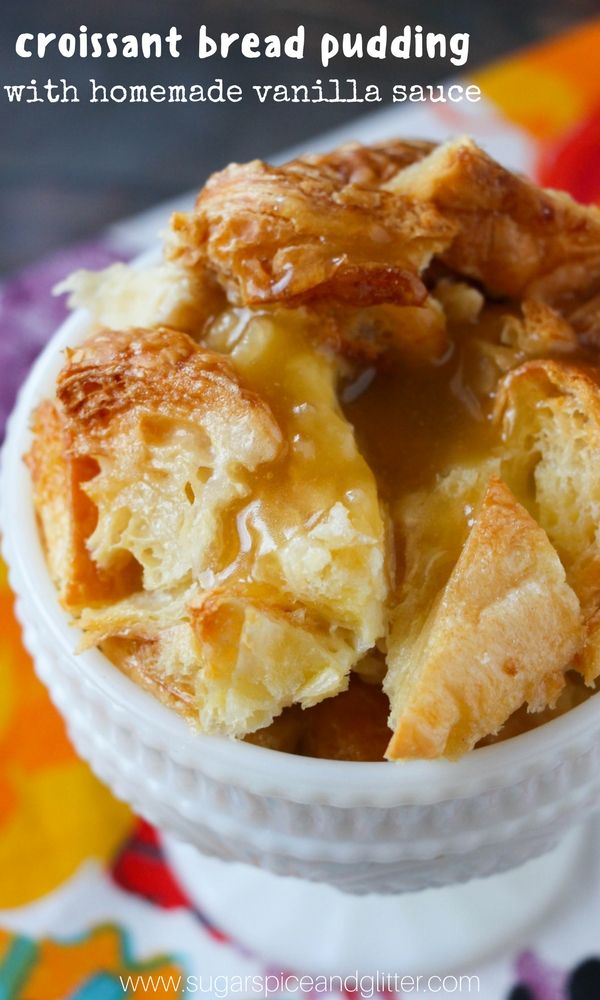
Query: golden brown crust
x: 516, y: 238
x: 367, y: 166
x: 502, y: 633
x: 301, y: 233
x: 121, y: 374
x: 97, y: 463
x: 550, y: 417
x: 67, y: 517
x: 358, y: 226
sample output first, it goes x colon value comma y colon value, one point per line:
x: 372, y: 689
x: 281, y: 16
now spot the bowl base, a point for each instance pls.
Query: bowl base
x: 314, y: 928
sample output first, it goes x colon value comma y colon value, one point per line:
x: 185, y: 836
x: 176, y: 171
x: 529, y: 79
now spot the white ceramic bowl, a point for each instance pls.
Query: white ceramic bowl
x: 362, y: 827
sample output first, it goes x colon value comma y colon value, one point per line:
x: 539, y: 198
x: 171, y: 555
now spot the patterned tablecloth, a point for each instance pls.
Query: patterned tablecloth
x: 86, y: 898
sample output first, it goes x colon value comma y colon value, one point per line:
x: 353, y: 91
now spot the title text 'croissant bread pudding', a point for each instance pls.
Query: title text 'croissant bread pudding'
x: 328, y: 477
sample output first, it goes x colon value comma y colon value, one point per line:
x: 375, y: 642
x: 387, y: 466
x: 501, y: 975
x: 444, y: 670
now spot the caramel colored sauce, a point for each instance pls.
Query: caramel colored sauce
x: 413, y: 422
x: 319, y: 465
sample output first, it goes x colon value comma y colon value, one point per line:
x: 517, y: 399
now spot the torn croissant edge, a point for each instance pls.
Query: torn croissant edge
x: 500, y: 634
x: 361, y: 229
x: 177, y: 439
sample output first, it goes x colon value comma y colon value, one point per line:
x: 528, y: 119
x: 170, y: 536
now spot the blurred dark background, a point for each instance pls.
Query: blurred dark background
x: 67, y: 170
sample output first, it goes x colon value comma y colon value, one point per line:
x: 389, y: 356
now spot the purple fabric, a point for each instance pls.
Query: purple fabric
x: 542, y: 980
x: 30, y: 314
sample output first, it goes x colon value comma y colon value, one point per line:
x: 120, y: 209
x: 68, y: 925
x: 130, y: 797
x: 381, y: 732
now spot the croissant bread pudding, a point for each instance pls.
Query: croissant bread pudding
x: 328, y: 477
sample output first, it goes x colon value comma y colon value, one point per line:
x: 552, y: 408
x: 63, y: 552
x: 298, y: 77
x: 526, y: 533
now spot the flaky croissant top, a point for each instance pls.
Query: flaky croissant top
x: 328, y: 477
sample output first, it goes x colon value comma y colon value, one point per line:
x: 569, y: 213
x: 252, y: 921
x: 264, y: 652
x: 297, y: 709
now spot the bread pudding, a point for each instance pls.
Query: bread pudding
x: 327, y: 478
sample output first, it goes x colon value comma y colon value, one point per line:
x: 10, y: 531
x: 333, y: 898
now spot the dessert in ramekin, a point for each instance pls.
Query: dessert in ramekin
x: 325, y: 478
x: 370, y: 378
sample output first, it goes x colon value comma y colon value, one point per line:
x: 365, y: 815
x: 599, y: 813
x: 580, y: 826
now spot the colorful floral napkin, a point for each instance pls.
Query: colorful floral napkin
x: 86, y: 898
